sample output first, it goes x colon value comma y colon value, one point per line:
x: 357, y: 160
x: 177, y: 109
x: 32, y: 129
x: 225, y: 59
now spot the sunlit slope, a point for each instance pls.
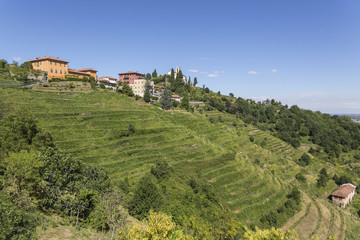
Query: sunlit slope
x: 251, y: 177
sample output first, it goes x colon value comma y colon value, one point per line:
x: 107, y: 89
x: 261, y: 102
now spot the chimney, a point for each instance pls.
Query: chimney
x: 57, y: 57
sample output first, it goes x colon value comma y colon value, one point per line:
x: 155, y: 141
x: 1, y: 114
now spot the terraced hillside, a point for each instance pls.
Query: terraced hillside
x: 252, y: 178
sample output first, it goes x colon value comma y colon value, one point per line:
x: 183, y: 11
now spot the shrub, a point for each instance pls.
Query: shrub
x: 102, y: 86
x: 300, y: 177
x: 131, y: 129
x: 147, y: 196
x: 15, y: 223
x: 161, y: 170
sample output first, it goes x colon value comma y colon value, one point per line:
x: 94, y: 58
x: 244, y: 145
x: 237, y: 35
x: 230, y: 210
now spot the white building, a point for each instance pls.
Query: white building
x: 138, y: 87
x: 176, y: 72
x: 109, y: 82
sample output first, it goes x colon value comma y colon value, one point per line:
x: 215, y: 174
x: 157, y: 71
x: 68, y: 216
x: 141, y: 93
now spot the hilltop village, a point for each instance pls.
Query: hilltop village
x: 58, y: 69
x: 108, y: 154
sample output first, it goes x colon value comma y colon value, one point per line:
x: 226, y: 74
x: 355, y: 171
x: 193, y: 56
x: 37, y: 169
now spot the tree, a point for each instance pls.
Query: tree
x: 189, y: 85
x: 154, y: 74
x: 148, y: 76
x: 15, y: 223
x: 148, y: 87
x: 147, y: 196
x: 147, y: 96
x: 195, y: 81
x: 166, y: 100
x: 108, y: 213
x: 185, y: 102
x: 161, y: 170
x: 172, y: 75
x: 22, y: 178
x: 323, y: 178
x: 304, y: 160
x: 26, y: 65
x: 127, y: 90
x: 231, y: 95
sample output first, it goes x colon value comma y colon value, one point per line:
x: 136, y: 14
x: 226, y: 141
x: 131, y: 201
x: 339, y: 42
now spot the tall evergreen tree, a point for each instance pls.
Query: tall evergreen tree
x: 154, y: 74
x: 195, y: 81
x: 148, y: 76
x: 147, y: 196
x: 189, y: 85
x: 147, y: 96
x: 166, y: 100
x: 185, y: 102
x: 172, y: 75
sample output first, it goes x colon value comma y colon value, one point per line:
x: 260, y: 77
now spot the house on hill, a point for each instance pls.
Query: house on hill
x: 176, y: 98
x: 344, y: 194
x: 130, y: 77
x: 109, y: 82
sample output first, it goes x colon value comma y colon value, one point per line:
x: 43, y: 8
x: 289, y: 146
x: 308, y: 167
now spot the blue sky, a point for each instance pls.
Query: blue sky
x: 302, y: 52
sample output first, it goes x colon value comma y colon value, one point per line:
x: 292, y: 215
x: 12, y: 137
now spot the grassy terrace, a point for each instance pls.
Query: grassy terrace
x: 251, y: 178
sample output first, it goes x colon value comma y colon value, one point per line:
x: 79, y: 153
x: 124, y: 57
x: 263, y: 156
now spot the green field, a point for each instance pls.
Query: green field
x: 251, y: 178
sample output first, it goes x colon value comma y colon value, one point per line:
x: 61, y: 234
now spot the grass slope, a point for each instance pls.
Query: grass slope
x: 252, y: 178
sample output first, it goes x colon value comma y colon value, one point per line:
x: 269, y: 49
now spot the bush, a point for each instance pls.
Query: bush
x: 300, y: 177
x: 304, y: 160
x: 102, y: 86
x: 15, y: 223
x: 147, y: 196
x: 161, y: 170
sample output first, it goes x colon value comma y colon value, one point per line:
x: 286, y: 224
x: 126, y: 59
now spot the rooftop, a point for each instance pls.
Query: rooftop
x: 48, y: 58
x: 100, y: 78
x: 130, y: 72
x: 73, y: 71
x: 86, y: 70
x: 344, y: 190
x: 175, y: 96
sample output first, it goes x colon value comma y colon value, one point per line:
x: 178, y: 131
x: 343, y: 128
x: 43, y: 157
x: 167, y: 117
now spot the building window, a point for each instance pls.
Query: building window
x: 38, y: 64
x: 55, y: 70
x: 50, y: 62
x: 64, y: 72
x: 60, y: 71
x: 51, y: 70
x: 60, y: 64
x: 55, y: 63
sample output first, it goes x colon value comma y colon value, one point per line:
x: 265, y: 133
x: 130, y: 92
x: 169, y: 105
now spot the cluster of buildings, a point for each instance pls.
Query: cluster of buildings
x: 58, y: 68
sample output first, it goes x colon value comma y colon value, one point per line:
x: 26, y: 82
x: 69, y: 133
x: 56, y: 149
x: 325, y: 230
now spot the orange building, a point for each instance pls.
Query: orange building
x: 77, y: 73
x: 90, y: 71
x: 55, y: 67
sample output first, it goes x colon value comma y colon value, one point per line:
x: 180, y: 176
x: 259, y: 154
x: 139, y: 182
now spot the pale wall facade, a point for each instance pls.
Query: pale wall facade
x: 138, y: 86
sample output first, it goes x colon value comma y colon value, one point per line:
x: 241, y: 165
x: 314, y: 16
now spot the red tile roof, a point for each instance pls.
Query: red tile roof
x: 73, y: 71
x: 86, y: 70
x: 344, y: 190
x: 157, y: 86
x: 175, y: 96
x: 130, y: 72
x: 48, y: 58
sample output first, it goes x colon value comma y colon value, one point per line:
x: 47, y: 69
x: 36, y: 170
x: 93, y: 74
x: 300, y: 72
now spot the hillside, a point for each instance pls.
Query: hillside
x: 250, y: 170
